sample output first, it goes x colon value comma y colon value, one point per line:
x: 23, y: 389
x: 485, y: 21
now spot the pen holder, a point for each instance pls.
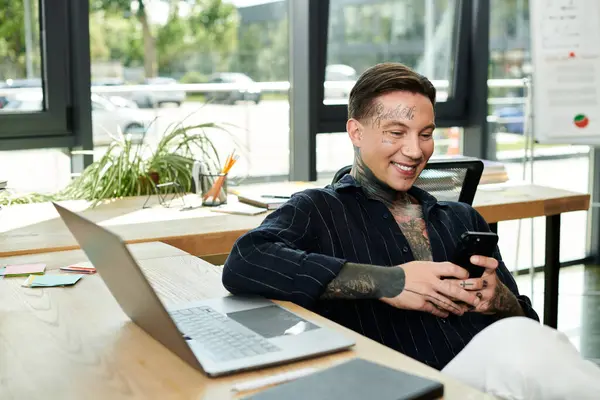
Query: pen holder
x: 214, y: 189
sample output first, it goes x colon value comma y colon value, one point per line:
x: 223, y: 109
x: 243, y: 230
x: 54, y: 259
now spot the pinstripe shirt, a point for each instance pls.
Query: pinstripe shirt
x: 301, y: 247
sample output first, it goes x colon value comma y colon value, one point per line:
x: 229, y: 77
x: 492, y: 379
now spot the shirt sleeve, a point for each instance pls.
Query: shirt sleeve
x: 504, y: 274
x: 274, y: 260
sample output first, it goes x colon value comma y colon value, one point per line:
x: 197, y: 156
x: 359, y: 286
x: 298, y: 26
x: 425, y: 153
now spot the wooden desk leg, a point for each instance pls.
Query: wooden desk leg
x: 494, y: 227
x: 551, y: 270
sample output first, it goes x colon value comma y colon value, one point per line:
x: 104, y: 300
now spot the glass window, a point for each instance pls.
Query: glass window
x: 235, y: 54
x: 20, y: 56
x: 510, y: 62
x: 417, y: 33
x: 35, y: 171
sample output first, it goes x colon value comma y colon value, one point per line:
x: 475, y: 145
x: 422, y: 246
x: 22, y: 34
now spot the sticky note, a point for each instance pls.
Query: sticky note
x: 2, y: 269
x: 24, y: 269
x: 52, y: 280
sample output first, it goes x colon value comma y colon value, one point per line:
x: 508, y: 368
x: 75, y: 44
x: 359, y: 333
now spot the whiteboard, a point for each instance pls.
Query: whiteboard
x: 565, y: 54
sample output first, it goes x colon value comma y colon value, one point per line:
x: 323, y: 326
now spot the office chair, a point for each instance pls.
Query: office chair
x: 448, y: 179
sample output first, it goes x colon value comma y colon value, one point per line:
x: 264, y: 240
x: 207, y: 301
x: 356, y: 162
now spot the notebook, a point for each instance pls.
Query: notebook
x: 353, y: 380
x: 268, y: 202
x: 239, y: 209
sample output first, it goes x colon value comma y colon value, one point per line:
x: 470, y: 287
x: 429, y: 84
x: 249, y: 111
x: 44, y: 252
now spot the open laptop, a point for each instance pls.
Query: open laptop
x: 218, y: 336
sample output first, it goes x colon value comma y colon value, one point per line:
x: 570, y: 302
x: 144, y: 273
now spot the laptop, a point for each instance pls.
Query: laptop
x: 219, y: 336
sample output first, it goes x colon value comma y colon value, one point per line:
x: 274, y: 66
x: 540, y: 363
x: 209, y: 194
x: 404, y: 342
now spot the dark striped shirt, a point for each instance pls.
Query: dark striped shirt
x: 302, y: 246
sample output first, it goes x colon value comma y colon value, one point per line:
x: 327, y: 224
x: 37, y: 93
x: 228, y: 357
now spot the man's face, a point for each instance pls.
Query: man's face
x: 396, y: 140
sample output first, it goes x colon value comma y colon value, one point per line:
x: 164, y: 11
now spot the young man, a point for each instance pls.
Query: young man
x: 371, y: 251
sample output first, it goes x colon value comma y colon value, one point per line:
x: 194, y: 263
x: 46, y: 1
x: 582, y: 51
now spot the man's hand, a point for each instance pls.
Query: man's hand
x: 424, y: 290
x: 415, y: 285
x: 495, y: 297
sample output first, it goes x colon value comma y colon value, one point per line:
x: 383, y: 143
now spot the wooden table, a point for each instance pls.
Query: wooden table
x: 76, y: 343
x: 37, y: 228
x: 527, y: 201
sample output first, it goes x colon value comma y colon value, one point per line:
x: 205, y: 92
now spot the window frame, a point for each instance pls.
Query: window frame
x: 452, y: 112
x: 48, y: 127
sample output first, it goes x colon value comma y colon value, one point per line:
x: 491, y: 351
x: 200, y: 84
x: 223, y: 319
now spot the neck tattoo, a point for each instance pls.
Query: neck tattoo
x: 375, y: 188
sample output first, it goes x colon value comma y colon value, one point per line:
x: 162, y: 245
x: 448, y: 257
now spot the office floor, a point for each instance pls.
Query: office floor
x: 579, y: 305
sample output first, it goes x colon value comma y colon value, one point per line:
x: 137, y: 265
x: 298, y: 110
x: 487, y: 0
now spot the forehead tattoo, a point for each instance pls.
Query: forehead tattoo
x: 378, y: 113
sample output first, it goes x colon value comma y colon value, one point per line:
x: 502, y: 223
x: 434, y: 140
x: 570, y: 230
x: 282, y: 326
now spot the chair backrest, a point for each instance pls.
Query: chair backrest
x: 449, y: 179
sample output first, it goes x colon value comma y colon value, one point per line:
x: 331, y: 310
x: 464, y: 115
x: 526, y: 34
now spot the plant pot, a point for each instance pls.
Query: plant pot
x: 151, y: 179
x: 154, y: 177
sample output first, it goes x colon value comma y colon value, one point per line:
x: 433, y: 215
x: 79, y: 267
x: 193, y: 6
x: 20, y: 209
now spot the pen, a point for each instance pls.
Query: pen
x: 274, y: 196
x: 272, y: 380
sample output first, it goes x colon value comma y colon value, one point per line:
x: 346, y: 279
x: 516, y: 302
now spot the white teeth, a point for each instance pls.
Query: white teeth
x: 403, y: 167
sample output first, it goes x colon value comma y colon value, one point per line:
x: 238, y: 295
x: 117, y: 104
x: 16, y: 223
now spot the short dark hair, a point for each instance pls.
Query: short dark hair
x: 384, y: 78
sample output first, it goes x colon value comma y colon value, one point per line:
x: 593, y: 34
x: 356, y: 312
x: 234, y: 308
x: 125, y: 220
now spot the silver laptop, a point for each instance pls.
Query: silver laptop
x: 218, y: 336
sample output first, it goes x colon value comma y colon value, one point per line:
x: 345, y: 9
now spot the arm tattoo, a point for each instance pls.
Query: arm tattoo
x: 362, y: 281
x: 505, y: 303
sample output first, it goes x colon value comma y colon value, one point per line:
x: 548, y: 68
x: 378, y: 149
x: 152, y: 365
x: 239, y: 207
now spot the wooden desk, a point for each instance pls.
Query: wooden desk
x: 76, y: 343
x: 508, y: 202
x: 37, y: 228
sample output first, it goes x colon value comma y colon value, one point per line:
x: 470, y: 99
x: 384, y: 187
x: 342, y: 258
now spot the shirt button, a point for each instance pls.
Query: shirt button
x: 443, y: 320
x: 386, y: 215
x: 405, y: 249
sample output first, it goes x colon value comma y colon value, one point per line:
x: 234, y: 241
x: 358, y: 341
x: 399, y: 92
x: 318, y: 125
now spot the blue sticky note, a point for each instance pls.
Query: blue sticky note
x: 2, y: 270
x: 52, y: 280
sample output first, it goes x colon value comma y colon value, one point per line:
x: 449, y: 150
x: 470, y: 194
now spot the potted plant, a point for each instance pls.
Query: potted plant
x: 134, y: 168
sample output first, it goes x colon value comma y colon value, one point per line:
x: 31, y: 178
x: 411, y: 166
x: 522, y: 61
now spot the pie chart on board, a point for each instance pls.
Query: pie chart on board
x: 581, y: 121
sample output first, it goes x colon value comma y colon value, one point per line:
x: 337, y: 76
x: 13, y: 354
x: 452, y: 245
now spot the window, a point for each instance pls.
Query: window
x: 232, y: 55
x: 425, y: 35
x: 35, y: 171
x: 553, y: 165
x: 433, y: 37
x: 420, y: 34
x: 33, y: 82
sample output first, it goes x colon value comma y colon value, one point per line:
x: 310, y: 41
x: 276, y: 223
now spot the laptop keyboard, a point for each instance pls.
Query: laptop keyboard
x: 224, y: 338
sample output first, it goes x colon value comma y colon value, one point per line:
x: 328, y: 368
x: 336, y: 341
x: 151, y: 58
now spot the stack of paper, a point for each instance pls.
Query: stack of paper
x: 22, y: 270
x: 493, y: 172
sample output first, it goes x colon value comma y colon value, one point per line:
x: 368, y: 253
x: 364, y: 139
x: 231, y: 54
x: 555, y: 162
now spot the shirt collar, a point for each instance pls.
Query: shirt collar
x: 424, y: 198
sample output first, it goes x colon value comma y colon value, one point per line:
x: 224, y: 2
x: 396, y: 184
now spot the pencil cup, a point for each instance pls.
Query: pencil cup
x: 214, y: 189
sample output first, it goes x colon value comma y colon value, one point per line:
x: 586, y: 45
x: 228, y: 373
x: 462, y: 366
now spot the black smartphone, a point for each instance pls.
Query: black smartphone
x: 471, y: 244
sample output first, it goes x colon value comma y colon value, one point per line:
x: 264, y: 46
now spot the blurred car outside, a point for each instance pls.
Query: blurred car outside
x: 242, y: 88
x: 144, y: 98
x: 108, y: 119
x: 335, y: 74
x: 510, y: 119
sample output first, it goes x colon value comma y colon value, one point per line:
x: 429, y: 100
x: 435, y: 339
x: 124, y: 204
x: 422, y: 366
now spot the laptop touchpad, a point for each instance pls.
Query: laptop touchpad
x: 271, y: 321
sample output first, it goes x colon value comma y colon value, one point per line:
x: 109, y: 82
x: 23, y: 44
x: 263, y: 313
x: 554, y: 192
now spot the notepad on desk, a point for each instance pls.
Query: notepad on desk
x: 23, y: 270
x: 355, y: 379
x: 270, y: 202
x: 239, y: 209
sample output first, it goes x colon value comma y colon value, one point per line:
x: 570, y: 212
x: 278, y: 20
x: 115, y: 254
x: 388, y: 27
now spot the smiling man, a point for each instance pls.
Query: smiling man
x: 371, y: 251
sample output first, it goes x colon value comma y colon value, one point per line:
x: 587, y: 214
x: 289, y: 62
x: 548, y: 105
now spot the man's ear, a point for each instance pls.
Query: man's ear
x: 355, y: 131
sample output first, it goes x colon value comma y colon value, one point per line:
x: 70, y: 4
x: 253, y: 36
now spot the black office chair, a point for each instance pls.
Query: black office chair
x: 454, y: 179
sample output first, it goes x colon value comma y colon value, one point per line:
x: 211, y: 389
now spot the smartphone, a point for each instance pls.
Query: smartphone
x: 474, y: 244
